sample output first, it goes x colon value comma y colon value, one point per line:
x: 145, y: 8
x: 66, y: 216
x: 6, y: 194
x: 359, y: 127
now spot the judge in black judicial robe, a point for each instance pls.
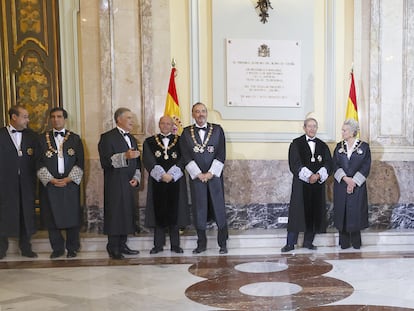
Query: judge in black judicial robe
x: 17, y: 182
x: 60, y: 170
x: 167, y: 204
x: 352, y: 164
x: 120, y: 159
x: 310, y: 162
x: 204, y: 151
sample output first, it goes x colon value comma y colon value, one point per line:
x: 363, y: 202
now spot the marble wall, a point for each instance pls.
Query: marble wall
x: 257, y: 191
x: 257, y: 194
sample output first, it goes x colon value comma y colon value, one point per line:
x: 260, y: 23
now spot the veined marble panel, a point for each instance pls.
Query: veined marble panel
x: 257, y: 195
x: 391, y: 80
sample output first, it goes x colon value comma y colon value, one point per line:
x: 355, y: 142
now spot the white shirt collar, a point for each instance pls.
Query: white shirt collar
x: 122, y: 131
x: 202, y: 126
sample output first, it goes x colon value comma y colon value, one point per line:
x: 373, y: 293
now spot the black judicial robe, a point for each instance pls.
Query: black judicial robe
x: 60, y: 206
x: 167, y: 203
x: 303, y: 219
x: 11, y: 182
x: 351, y: 209
x: 210, y: 195
x: 120, y: 201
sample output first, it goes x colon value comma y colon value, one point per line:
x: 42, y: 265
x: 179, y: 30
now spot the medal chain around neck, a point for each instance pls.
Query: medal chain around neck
x: 60, y: 147
x: 157, y: 140
x: 196, y: 144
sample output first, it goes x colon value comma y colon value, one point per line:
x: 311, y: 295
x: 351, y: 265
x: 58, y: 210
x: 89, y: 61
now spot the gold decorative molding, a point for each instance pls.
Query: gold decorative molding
x: 30, y: 60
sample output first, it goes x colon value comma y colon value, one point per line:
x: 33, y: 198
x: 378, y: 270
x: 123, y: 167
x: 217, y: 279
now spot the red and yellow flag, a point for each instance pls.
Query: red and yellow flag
x: 352, y: 107
x: 172, y: 108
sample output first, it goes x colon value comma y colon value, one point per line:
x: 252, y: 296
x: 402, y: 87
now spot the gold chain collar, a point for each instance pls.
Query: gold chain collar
x: 200, y: 147
x: 161, y: 145
x: 49, y: 144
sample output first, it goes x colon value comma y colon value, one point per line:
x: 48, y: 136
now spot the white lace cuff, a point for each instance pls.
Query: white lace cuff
x: 323, y: 173
x: 216, y: 168
x: 157, y: 172
x: 359, y: 179
x: 76, y: 174
x: 119, y: 160
x: 175, y: 172
x: 304, y: 174
x: 44, y: 176
x: 193, y: 169
x: 339, y: 174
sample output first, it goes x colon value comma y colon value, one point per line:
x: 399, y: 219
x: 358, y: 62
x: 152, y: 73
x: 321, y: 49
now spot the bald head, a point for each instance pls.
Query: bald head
x: 166, y: 125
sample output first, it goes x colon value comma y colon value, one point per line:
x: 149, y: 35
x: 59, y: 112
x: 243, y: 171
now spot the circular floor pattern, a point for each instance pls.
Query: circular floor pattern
x: 270, y: 289
x: 261, y: 267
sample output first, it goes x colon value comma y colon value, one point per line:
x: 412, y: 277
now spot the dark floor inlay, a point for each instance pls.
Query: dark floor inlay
x: 221, y: 289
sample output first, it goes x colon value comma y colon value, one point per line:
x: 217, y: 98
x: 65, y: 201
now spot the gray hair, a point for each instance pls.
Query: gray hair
x: 308, y: 120
x: 353, y: 126
x: 119, y: 112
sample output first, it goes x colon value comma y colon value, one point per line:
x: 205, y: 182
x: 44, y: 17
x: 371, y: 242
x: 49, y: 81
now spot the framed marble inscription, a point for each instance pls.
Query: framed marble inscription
x: 263, y: 73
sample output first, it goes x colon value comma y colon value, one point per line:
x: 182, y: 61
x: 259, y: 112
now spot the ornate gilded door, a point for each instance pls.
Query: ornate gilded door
x: 29, y: 59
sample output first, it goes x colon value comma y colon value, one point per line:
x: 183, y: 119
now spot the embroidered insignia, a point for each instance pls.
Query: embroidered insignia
x: 71, y: 151
x: 30, y: 151
x: 157, y: 153
x: 49, y: 154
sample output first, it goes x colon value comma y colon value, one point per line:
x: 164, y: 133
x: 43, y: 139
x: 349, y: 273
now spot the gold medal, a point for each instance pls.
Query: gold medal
x: 313, y: 159
x: 20, y: 153
x: 199, y: 148
x: 166, y: 157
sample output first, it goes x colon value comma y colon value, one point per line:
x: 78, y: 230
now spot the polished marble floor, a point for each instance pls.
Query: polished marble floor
x: 256, y: 278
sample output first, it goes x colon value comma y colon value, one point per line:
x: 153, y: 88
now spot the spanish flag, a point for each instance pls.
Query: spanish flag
x: 172, y: 108
x: 352, y: 108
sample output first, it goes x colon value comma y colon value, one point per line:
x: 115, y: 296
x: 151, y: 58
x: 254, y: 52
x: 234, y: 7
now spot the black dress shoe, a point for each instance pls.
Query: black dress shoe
x: 127, y: 251
x: 29, y: 253
x: 223, y: 250
x: 177, y: 249
x: 2, y: 255
x: 345, y: 246
x: 356, y: 246
x: 115, y: 255
x: 56, y: 254
x: 287, y: 248
x: 199, y: 250
x: 311, y: 247
x: 71, y: 254
x: 155, y: 250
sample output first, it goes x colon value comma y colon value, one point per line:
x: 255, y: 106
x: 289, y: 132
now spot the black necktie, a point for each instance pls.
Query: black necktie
x: 16, y: 131
x: 60, y: 133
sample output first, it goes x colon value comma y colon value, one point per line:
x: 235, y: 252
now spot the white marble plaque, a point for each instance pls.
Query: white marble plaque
x: 263, y: 73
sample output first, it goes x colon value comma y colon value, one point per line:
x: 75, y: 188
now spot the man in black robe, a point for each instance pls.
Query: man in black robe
x: 167, y: 206
x: 60, y: 170
x: 17, y: 182
x: 310, y: 162
x: 120, y: 159
x: 203, y: 147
